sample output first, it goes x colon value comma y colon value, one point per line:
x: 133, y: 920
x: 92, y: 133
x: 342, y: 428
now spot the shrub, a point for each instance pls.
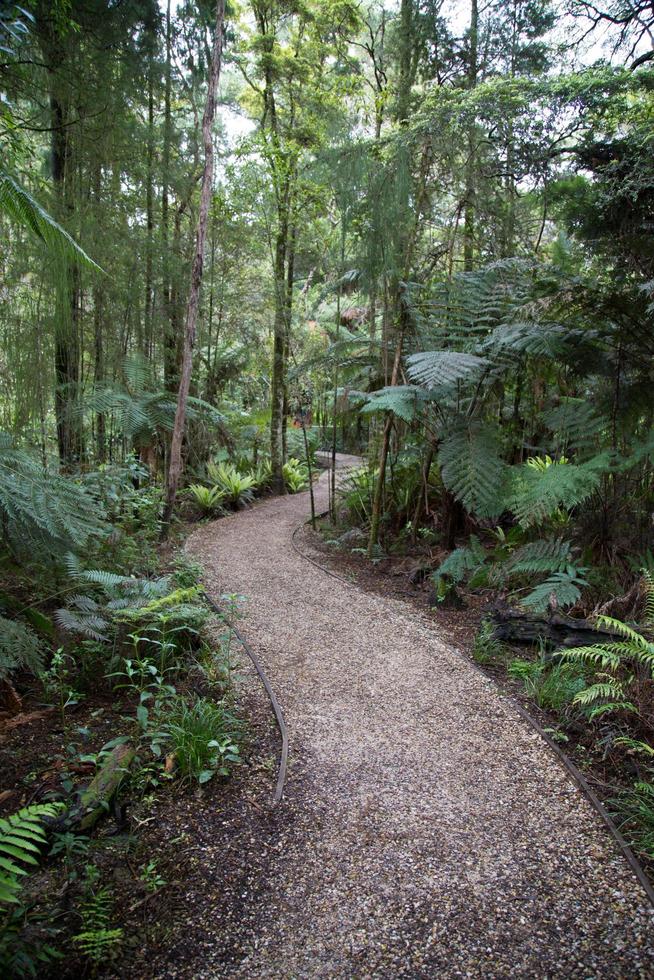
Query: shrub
x: 296, y: 475
x: 236, y: 488
x: 204, y: 738
x: 487, y: 647
x: 553, y: 686
x: 208, y: 499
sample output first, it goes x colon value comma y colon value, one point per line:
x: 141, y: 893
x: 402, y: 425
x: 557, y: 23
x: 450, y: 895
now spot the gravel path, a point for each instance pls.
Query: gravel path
x: 426, y: 830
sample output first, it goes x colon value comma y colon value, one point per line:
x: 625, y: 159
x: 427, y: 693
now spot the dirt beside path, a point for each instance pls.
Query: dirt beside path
x: 425, y: 831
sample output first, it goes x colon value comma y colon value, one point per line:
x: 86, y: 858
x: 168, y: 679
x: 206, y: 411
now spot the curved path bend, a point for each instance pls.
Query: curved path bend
x: 426, y: 830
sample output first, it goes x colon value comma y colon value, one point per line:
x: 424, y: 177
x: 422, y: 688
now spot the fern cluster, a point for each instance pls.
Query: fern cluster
x: 616, y: 664
x: 504, y: 565
x: 20, y: 648
x: 22, y: 835
x: 97, y: 941
x: 41, y: 511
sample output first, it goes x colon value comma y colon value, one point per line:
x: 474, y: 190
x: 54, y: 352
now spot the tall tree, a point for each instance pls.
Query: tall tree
x: 192, y: 307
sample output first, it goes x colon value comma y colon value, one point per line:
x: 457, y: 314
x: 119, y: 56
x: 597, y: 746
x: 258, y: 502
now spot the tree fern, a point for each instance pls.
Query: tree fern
x: 41, y: 510
x: 20, y: 207
x: 539, y: 492
x: 575, y: 424
x: 472, y: 467
x: 562, y: 589
x: 402, y: 400
x: 21, y: 837
x: 443, y: 368
x: 20, y: 648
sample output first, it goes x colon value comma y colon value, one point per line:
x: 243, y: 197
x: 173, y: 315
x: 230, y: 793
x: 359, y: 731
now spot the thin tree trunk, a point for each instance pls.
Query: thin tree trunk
x: 469, y: 208
x: 149, y: 292
x: 175, y: 461
x: 169, y: 342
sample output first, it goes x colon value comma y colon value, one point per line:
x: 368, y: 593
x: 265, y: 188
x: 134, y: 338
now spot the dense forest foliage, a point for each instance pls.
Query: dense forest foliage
x: 428, y: 243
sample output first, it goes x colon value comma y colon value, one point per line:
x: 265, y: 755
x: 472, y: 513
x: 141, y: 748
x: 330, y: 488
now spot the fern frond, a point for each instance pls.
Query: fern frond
x: 20, y: 648
x: 443, y: 368
x: 575, y: 425
x: 19, y: 205
x: 565, y: 587
x: 538, y: 493
x: 21, y: 837
x: 472, y: 468
x: 41, y: 511
x: 461, y: 561
x: 402, y: 400
x: 538, y: 556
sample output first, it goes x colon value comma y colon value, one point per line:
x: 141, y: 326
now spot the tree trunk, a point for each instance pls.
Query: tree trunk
x: 469, y: 207
x: 278, y: 385
x: 175, y: 461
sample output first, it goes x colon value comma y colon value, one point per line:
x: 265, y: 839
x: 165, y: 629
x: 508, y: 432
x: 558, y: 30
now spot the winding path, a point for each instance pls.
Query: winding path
x: 426, y: 830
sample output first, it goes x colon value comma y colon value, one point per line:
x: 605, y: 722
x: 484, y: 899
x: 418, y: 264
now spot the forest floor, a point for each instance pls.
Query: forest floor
x: 425, y: 830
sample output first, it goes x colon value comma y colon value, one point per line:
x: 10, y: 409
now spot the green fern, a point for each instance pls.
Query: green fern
x: 461, y: 561
x: 21, y: 837
x: 402, y: 400
x: 237, y: 489
x: 575, y: 425
x: 19, y: 205
x: 562, y: 589
x: 41, y: 511
x: 538, y: 493
x: 538, y: 556
x: 472, y: 467
x: 443, y: 368
x: 20, y: 648
x: 207, y: 498
x: 616, y: 662
x: 97, y: 941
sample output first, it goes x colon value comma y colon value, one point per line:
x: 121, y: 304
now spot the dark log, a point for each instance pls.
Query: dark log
x: 515, y: 626
x: 93, y: 801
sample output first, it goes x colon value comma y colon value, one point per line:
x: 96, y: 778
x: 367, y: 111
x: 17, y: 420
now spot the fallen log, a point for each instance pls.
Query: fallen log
x: 514, y: 626
x: 93, y: 801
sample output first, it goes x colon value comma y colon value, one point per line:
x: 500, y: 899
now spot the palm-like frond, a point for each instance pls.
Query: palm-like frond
x: 19, y: 205
x: 402, y: 400
x: 537, y: 493
x: 443, y: 368
x: 21, y: 837
x: 472, y: 467
x: 41, y: 510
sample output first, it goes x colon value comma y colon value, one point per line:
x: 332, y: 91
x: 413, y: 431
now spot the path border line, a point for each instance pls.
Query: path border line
x: 277, y: 711
x: 563, y: 759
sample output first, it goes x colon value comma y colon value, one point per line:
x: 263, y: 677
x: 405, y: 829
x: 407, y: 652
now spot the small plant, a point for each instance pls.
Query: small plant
x: 155, y: 696
x: 187, y: 573
x: 26, y: 948
x: 208, y: 499
x: 262, y: 475
x: 97, y: 942
x: 233, y: 602
x: 623, y: 668
x: 296, y: 475
x: 56, y: 683
x: 236, y: 488
x: 487, y: 647
x: 552, y: 686
x: 204, y: 739
x: 150, y: 876
x: 635, y: 812
x: 22, y: 835
x: 72, y: 847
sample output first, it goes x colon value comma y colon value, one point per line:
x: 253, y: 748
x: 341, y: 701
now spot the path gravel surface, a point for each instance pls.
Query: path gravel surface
x: 426, y: 830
